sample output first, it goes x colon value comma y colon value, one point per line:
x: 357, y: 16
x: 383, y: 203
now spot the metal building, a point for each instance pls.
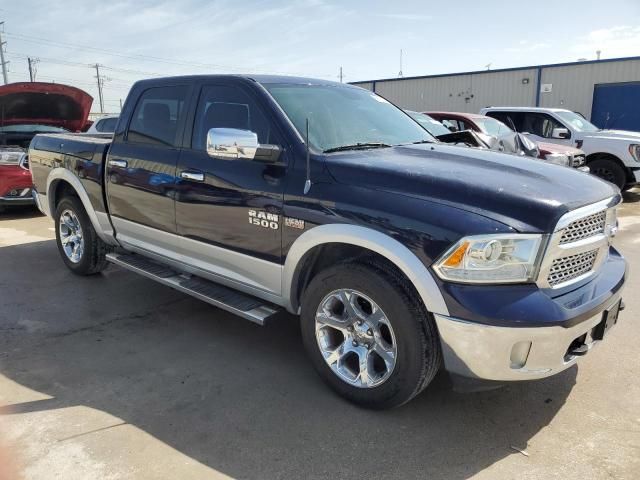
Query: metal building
x: 605, y: 91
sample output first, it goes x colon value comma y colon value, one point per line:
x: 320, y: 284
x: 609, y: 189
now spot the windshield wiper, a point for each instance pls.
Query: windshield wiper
x: 357, y: 146
x: 422, y: 141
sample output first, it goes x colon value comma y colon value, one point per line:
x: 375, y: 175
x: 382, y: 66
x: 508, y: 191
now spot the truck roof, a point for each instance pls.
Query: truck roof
x: 263, y: 79
x: 526, y: 109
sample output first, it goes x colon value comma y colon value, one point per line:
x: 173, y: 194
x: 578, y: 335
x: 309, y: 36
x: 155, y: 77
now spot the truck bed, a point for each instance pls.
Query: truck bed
x: 82, y: 154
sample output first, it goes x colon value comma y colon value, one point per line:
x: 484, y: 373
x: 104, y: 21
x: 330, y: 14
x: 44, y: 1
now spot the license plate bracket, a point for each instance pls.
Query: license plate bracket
x: 609, y: 319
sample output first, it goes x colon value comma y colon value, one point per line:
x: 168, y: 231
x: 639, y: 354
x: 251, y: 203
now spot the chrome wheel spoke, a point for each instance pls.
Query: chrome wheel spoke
x: 386, y: 355
x: 335, y: 355
x: 326, y: 319
x: 364, y: 376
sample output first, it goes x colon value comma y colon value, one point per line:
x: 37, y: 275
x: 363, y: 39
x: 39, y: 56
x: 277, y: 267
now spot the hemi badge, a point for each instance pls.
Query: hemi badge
x: 294, y: 223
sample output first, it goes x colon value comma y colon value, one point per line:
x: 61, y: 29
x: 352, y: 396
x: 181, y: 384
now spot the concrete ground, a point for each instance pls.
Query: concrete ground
x: 116, y: 377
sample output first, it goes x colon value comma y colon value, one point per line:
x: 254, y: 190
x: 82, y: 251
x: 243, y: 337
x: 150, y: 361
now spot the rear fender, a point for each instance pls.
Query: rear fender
x: 99, y: 220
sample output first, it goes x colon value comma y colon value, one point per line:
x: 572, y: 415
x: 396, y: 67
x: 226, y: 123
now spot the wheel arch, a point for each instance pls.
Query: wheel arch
x: 610, y: 156
x: 353, y: 240
x: 61, y: 182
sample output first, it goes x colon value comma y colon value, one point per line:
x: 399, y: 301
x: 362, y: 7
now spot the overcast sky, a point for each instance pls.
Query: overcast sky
x: 138, y: 38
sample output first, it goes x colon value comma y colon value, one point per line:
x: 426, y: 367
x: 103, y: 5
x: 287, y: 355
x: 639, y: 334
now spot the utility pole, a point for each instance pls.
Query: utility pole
x: 400, y: 72
x: 32, y: 76
x: 2, y: 61
x: 100, y: 84
x: 340, y: 76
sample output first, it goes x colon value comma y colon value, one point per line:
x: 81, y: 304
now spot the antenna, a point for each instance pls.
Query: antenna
x: 307, y: 183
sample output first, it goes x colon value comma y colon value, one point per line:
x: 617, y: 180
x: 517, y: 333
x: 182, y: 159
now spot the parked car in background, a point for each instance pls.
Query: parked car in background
x: 400, y: 254
x: 559, y: 154
x: 27, y: 109
x: 610, y: 154
x: 106, y: 124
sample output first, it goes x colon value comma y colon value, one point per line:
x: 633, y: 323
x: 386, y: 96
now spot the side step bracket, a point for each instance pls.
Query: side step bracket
x: 243, y: 305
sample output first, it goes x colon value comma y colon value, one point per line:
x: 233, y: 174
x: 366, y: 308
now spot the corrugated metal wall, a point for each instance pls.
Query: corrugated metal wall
x: 462, y: 93
x: 572, y: 87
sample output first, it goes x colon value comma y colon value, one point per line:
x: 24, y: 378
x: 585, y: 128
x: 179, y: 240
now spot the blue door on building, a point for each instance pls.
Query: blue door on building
x: 616, y: 106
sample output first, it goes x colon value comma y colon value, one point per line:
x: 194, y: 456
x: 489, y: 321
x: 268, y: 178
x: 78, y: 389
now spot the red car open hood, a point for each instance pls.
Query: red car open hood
x: 44, y: 104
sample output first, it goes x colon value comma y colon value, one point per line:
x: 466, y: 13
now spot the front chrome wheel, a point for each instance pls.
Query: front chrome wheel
x: 71, y: 236
x: 356, y: 338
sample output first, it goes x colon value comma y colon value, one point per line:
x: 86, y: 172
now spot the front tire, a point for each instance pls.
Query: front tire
x: 609, y: 170
x: 82, y: 251
x: 368, y: 335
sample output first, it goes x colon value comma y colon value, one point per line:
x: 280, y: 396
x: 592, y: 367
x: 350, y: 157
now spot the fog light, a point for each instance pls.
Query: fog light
x: 519, y: 354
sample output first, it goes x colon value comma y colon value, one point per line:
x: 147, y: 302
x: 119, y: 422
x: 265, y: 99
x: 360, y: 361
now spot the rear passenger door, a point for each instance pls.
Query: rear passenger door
x: 141, y: 168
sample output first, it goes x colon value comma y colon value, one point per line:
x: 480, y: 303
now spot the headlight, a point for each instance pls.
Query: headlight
x: 558, y: 159
x: 634, y: 150
x: 11, y: 158
x: 500, y: 258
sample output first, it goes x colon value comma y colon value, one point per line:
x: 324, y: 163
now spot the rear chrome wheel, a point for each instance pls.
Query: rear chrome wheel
x: 71, y: 239
x: 78, y: 243
x: 356, y: 338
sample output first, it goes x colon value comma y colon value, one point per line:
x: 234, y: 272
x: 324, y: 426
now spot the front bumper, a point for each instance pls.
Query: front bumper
x: 18, y: 196
x: 507, y: 333
x: 506, y: 353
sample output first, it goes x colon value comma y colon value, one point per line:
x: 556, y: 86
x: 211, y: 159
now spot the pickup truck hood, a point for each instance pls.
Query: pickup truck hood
x: 29, y: 103
x: 614, y: 134
x: 525, y: 194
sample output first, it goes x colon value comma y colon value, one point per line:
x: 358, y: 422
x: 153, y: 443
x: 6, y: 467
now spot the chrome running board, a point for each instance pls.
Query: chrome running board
x: 243, y: 305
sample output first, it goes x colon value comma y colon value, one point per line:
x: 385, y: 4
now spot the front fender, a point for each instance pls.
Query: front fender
x: 372, y: 240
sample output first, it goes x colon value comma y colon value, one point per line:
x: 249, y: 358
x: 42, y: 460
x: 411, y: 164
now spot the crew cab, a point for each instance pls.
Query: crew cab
x: 400, y: 255
x: 613, y: 155
x: 559, y: 154
x: 28, y: 108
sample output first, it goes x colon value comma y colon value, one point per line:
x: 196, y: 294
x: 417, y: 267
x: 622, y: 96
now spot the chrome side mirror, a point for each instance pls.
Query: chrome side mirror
x: 560, y: 133
x: 232, y: 143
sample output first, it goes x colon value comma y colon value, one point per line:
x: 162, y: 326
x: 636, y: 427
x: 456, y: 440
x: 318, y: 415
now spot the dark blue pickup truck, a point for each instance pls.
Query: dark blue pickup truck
x: 401, y: 255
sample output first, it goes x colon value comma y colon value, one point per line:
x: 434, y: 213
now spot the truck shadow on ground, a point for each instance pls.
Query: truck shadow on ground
x: 18, y: 213
x: 236, y: 397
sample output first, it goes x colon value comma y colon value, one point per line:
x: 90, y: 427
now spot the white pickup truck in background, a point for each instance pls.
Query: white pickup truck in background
x: 611, y: 154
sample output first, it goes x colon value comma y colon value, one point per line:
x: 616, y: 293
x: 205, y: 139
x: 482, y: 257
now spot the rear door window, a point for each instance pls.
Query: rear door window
x: 158, y: 116
x: 512, y: 120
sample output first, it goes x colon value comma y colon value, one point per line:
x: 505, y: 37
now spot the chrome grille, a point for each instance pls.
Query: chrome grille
x: 584, y: 228
x: 578, y: 160
x: 567, y: 268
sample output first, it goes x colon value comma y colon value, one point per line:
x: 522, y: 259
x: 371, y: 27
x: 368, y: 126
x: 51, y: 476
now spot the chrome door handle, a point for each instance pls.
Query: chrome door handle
x: 118, y: 163
x: 195, y: 176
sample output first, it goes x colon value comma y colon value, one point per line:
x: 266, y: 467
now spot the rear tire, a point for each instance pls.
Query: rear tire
x: 609, y: 170
x: 395, y: 347
x: 82, y: 251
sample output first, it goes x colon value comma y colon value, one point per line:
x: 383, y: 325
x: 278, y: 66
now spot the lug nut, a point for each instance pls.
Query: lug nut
x: 368, y: 345
x: 359, y: 322
x: 350, y: 328
x: 354, y: 343
x: 370, y: 332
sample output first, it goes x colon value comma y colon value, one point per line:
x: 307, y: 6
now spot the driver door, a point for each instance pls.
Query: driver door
x: 229, y: 211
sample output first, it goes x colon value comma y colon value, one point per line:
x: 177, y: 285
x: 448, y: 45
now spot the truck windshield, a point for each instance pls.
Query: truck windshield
x: 577, y: 122
x: 343, y: 118
x: 491, y: 126
x: 431, y: 125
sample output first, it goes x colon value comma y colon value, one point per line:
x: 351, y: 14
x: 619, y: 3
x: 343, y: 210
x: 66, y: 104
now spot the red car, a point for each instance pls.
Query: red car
x: 29, y: 108
x: 457, y: 121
